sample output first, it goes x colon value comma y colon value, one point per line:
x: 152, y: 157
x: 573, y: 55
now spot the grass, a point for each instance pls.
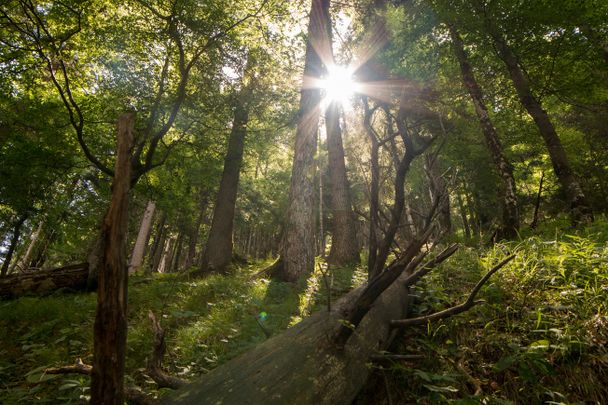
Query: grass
x: 541, y: 336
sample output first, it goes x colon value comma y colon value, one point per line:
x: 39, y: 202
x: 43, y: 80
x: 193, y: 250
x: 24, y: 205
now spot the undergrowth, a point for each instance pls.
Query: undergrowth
x: 540, y: 337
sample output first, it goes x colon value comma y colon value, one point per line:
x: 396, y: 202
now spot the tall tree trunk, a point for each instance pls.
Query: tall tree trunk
x: 143, y: 236
x: 110, y: 339
x: 218, y: 253
x: 164, y: 265
x: 344, y: 247
x: 580, y: 210
x: 508, y: 193
x: 13, y: 244
x: 298, y: 244
x: 321, y: 211
x: 374, y: 204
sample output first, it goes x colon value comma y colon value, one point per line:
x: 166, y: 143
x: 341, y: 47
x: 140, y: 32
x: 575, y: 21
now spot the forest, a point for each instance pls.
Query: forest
x: 304, y: 201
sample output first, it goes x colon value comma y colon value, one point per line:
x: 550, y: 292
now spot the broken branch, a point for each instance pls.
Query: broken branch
x: 469, y: 303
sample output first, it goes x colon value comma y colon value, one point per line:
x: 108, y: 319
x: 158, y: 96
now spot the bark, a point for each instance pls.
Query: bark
x: 13, y: 244
x: 164, y: 265
x: 110, y: 338
x: 298, y: 244
x: 580, y: 210
x: 321, y: 211
x: 72, y: 277
x: 218, y: 252
x: 344, y: 247
x: 534, y: 223
x: 508, y: 193
x: 143, y: 236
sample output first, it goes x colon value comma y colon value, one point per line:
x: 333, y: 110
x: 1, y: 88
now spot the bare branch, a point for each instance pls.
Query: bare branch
x: 468, y: 304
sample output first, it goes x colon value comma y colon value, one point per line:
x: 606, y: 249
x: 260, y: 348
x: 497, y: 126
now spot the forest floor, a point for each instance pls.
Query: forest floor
x: 541, y: 336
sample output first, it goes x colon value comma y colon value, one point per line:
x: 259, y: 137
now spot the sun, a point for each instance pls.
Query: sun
x: 339, y: 84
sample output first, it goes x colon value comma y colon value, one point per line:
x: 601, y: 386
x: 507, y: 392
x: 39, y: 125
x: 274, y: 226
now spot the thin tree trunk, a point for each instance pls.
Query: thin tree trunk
x: 164, y: 266
x: 110, y: 338
x: 537, y: 204
x: 177, y: 255
x: 344, y: 248
x: 321, y: 210
x: 463, y: 216
x: 25, y: 261
x: 580, y: 210
x: 158, y: 244
x: 194, y: 232
x: 298, y: 245
x: 218, y: 252
x: 438, y: 191
x: 374, y: 192
x: 13, y: 244
x: 508, y: 193
x: 143, y: 236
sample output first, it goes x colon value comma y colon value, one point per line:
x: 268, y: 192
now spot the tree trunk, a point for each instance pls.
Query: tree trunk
x: 374, y: 204
x: 177, y: 255
x: 344, y: 248
x: 194, y: 231
x: 508, y: 194
x: 13, y: 245
x: 438, y: 191
x: 218, y: 253
x: 33, y: 248
x: 302, y: 365
x: 110, y: 339
x: 321, y: 211
x: 298, y: 245
x: 143, y: 236
x: 164, y: 265
x: 463, y: 216
x: 73, y: 277
x: 580, y: 210
x: 158, y: 244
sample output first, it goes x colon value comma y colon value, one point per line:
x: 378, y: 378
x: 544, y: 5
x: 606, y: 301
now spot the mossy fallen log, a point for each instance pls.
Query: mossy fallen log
x: 303, y: 365
x: 73, y: 277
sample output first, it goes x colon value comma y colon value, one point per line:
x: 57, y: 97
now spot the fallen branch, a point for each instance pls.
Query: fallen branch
x: 468, y: 304
x: 154, y: 369
x: 133, y: 394
x: 440, y: 258
x: 378, y: 358
x: 78, y: 368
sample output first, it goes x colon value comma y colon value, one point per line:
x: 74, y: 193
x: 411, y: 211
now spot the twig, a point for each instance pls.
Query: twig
x: 469, y: 303
x: 154, y: 369
x: 78, y: 368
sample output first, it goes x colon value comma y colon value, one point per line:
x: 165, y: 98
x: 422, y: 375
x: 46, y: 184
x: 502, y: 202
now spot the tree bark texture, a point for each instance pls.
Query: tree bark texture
x: 158, y: 244
x: 302, y: 365
x: 298, y: 244
x: 580, y: 210
x: 13, y: 244
x: 218, y: 252
x: 72, y: 277
x: 344, y: 247
x: 143, y: 236
x: 110, y: 338
x: 508, y: 193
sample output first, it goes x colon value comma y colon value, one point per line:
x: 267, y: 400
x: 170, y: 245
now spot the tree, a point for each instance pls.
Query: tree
x: 297, y: 252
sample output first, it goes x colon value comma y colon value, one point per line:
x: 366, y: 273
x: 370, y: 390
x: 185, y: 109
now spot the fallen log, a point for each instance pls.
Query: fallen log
x: 310, y: 363
x: 73, y: 277
x: 303, y: 365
